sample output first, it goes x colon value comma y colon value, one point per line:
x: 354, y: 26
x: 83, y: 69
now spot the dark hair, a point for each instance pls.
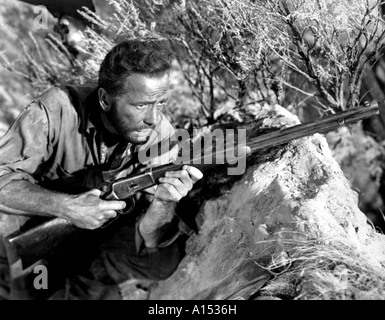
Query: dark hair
x: 147, y: 57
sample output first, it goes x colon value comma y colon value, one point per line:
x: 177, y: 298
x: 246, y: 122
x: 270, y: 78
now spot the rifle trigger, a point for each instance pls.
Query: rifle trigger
x: 130, y: 205
x: 341, y: 122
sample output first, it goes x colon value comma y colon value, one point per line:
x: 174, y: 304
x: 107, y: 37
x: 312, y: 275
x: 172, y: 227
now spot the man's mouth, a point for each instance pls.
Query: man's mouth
x: 145, y: 130
x: 144, y: 133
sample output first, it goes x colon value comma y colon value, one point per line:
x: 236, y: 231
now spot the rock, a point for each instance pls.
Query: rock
x: 298, y: 195
x: 135, y: 289
x: 361, y: 159
x: 267, y: 298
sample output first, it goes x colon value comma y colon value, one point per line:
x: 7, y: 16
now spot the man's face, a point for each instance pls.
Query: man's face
x: 135, y: 114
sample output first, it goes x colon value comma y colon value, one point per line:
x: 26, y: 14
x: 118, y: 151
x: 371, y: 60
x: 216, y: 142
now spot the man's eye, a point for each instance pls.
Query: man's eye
x: 142, y: 106
x: 161, y: 105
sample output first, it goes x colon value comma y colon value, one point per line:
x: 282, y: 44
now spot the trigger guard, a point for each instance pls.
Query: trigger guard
x: 130, y: 205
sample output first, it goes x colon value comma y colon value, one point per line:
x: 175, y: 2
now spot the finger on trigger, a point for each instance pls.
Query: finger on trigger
x: 110, y: 214
x: 113, y: 205
x: 122, y: 205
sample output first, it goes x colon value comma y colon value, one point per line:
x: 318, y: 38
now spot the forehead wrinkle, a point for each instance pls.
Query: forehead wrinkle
x: 136, y: 90
x: 135, y: 96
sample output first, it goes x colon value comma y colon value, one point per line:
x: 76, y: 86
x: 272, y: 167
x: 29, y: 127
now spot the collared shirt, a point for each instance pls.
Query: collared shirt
x: 58, y: 141
x: 58, y: 135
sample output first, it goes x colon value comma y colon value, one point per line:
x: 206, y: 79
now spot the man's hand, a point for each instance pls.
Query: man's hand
x: 89, y: 211
x: 176, y: 184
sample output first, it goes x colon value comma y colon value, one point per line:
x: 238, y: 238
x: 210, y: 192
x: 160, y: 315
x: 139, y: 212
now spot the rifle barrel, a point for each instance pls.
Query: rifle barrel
x: 278, y: 137
x: 327, y: 124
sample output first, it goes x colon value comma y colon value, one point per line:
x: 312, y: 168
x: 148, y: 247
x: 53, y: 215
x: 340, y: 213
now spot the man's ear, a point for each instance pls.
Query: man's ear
x: 104, y: 99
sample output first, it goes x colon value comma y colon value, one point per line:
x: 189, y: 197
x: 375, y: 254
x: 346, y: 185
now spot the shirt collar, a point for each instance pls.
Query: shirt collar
x: 85, y: 100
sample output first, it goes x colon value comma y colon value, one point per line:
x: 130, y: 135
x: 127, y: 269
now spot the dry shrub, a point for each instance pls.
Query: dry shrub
x: 327, y: 270
x: 285, y: 51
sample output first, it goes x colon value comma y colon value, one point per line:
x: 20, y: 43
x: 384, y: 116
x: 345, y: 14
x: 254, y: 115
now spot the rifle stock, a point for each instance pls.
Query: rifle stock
x: 33, y: 244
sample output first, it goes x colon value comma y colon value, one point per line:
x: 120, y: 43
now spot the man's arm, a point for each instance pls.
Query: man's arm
x: 174, y: 186
x: 85, y: 210
x: 27, y: 144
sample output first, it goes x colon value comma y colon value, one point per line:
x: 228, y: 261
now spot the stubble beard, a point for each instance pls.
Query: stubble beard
x: 124, y: 131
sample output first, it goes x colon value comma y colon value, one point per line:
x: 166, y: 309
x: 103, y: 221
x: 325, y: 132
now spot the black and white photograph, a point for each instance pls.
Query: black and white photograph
x: 211, y: 151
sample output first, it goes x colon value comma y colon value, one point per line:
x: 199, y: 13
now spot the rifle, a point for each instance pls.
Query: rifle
x: 33, y: 244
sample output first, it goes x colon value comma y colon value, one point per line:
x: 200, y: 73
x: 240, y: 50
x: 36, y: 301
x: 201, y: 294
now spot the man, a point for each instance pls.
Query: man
x: 68, y: 142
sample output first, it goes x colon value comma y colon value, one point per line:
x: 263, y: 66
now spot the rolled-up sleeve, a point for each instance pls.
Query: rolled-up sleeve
x: 165, y: 240
x: 164, y: 139
x: 170, y: 232
x: 25, y: 145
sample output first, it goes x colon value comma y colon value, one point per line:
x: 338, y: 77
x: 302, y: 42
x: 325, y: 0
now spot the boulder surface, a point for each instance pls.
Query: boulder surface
x: 284, y: 200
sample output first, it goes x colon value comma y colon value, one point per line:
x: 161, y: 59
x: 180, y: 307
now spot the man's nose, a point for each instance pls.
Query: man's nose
x: 152, y: 116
